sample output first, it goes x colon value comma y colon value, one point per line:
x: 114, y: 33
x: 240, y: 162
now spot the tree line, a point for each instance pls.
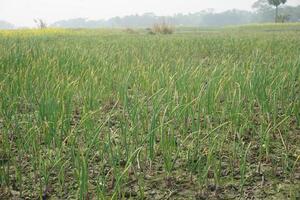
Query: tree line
x: 263, y: 11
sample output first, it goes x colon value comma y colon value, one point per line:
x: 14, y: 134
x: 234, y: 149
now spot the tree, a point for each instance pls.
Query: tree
x: 40, y: 23
x: 260, y: 5
x: 263, y: 11
x: 276, y: 3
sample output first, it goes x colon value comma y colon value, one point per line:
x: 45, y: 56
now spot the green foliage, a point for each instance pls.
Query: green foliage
x: 276, y: 3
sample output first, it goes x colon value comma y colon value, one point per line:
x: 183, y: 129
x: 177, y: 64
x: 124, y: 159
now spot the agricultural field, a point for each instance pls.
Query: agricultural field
x: 114, y: 114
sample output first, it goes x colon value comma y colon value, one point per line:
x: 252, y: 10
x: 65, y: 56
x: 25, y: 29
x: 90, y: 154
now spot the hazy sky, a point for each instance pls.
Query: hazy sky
x: 22, y: 12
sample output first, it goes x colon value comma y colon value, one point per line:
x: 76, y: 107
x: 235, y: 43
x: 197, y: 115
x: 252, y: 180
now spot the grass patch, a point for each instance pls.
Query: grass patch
x: 102, y: 114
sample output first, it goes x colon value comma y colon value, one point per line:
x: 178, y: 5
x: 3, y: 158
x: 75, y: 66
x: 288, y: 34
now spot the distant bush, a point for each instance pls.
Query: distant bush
x: 149, y: 31
x: 129, y: 30
x: 162, y: 28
